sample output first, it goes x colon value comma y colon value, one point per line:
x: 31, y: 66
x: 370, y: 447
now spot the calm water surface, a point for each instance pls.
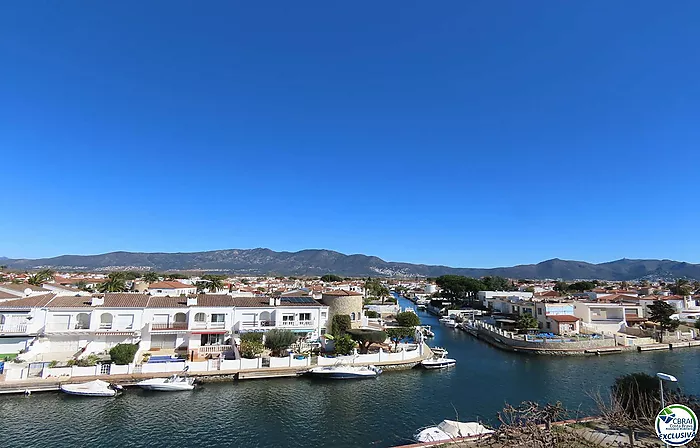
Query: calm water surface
x: 301, y: 412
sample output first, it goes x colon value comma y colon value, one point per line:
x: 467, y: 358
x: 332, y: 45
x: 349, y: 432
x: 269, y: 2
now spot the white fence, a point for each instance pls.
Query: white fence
x: 211, y: 365
x: 405, y: 355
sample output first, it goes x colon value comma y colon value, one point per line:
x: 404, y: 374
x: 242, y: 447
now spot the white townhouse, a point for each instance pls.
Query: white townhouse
x: 607, y: 317
x: 300, y: 314
x: 171, y: 288
x: 53, y: 327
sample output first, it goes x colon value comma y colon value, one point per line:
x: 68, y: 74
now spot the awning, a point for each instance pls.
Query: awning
x: 210, y: 332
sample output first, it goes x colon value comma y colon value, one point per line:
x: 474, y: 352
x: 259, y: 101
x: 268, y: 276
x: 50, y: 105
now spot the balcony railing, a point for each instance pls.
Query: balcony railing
x: 169, y: 326
x: 297, y: 323
x: 209, y: 325
x: 207, y: 349
x: 18, y: 328
x: 67, y: 327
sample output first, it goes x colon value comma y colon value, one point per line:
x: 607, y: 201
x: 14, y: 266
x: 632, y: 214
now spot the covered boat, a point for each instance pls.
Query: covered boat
x: 450, y: 430
x: 343, y: 372
x: 96, y: 388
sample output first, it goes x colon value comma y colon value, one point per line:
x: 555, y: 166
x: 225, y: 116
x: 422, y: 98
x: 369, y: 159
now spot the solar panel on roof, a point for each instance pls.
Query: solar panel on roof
x: 298, y: 300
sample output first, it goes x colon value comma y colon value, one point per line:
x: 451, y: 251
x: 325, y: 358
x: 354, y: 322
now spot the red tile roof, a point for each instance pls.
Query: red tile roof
x: 169, y: 285
x: 28, y: 302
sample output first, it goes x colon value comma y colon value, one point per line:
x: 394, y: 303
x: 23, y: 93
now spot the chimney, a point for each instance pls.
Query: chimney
x: 97, y: 301
x: 192, y: 301
x: 272, y: 301
x: 278, y: 301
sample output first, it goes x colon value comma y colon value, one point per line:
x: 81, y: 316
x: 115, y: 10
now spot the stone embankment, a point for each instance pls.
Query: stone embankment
x: 565, y: 346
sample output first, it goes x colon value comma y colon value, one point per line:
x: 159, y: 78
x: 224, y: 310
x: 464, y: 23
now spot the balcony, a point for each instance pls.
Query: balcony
x: 169, y: 326
x: 209, y: 349
x: 298, y: 323
x: 258, y: 323
x: 209, y: 326
x: 16, y: 328
x: 52, y: 327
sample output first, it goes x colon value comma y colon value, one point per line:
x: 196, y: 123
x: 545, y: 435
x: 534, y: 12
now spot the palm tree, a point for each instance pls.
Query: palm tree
x: 41, y: 277
x: 115, y: 283
x: 681, y: 287
x: 211, y: 283
x: 151, y: 277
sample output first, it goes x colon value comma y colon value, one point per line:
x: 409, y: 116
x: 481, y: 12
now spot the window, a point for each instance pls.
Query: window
x: 549, y: 325
x: 352, y: 316
x: 83, y: 321
x: 304, y: 316
x: 212, y: 339
x: 106, y: 321
x: 288, y: 318
x: 200, y: 317
x: 323, y: 315
x: 125, y: 321
x: 218, y: 318
x: 539, y: 311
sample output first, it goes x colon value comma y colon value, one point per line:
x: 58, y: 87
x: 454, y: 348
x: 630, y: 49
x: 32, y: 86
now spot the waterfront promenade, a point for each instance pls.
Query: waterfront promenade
x: 204, y: 371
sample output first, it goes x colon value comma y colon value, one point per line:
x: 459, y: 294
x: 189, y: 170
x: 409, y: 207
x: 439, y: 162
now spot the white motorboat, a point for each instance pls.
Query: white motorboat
x: 427, y: 332
x: 451, y: 323
x: 171, y: 384
x: 438, y: 362
x: 451, y: 430
x: 439, y: 351
x: 444, y: 320
x: 343, y: 372
x: 96, y: 388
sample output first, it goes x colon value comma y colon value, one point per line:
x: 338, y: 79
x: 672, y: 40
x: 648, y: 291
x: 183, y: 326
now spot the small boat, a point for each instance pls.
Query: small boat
x: 427, y: 332
x: 343, y: 372
x: 444, y: 320
x: 439, y: 351
x: 451, y: 323
x: 450, y: 430
x: 171, y: 384
x: 438, y: 362
x: 96, y: 388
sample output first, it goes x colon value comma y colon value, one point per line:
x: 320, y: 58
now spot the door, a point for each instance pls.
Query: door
x: 163, y: 341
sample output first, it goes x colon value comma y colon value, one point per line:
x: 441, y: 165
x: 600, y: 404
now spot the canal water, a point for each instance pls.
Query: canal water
x: 302, y: 412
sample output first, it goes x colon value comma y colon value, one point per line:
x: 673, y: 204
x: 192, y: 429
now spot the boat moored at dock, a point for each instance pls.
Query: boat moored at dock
x: 173, y: 383
x: 96, y: 388
x: 450, y: 430
x: 438, y: 362
x: 344, y: 372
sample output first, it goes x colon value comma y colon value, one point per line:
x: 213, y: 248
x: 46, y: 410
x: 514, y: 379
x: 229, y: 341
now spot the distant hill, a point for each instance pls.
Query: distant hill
x: 319, y: 262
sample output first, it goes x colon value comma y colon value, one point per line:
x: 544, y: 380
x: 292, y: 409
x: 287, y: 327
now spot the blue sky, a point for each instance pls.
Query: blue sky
x: 474, y: 133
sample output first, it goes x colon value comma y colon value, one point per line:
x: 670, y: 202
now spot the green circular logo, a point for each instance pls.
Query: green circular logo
x: 676, y: 425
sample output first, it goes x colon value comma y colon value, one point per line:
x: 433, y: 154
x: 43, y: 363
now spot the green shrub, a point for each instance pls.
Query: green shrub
x: 365, y: 338
x: 123, y: 354
x: 278, y: 340
x: 252, y: 337
x: 340, y: 324
x: 344, y: 345
x: 251, y: 349
x: 371, y: 314
x: 407, y: 319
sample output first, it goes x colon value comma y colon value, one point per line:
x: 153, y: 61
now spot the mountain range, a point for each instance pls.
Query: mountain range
x: 319, y: 261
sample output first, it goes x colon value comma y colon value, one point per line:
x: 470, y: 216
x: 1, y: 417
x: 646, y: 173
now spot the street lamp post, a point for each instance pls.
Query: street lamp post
x: 664, y: 377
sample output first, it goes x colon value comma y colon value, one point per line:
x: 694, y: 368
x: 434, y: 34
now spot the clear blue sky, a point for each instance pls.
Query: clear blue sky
x: 467, y: 133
